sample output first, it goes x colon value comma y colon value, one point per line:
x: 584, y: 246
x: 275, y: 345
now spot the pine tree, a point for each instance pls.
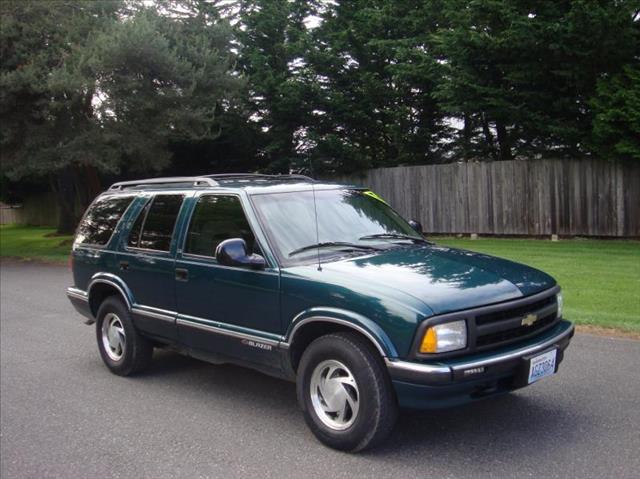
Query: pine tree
x: 272, y: 37
x: 45, y: 99
x: 92, y: 86
x: 376, y: 73
x: 521, y: 73
x: 616, y: 126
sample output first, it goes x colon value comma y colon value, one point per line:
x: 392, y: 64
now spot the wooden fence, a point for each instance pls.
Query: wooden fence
x: 536, y: 197
x: 10, y: 215
x: 39, y: 209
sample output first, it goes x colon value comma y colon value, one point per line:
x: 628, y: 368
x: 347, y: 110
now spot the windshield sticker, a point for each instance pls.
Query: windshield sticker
x: 374, y: 196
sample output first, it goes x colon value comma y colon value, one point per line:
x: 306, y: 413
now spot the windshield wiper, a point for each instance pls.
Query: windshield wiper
x: 394, y: 236
x: 334, y: 244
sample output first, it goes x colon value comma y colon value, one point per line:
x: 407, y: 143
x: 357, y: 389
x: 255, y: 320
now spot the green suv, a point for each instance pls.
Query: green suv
x: 318, y: 283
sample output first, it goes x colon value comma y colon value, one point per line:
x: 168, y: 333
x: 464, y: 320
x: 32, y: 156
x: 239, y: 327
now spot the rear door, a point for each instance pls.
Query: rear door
x: 226, y: 310
x: 147, y: 264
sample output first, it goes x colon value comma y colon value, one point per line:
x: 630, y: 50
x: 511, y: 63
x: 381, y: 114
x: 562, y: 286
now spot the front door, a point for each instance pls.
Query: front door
x: 225, y: 310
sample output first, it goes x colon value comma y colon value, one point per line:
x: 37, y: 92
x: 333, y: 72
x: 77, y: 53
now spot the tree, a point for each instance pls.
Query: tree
x: 108, y: 89
x: 115, y: 87
x: 616, y: 124
x: 45, y: 106
x: 376, y: 72
x: 522, y: 73
x: 273, y: 39
x: 162, y: 80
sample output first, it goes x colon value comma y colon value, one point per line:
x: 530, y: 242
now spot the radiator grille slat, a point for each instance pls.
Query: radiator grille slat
x: 509, y: 335
x: 509, y: 313
x: 515, y: 325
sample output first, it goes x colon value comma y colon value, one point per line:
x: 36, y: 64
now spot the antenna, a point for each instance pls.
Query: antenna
x: 315, y: 211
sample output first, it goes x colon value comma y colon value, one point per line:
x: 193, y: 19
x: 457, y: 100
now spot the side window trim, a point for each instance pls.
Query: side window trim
x: 212, y: 259
x: 187, y: 230
x: 144, y: 211
x: 147, y: 207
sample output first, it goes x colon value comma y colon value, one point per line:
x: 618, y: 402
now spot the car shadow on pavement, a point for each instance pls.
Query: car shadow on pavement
x: 520, y: 423
x: 239, y: 384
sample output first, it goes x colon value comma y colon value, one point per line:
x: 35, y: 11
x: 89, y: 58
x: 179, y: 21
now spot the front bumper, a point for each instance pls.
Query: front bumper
x: 463, y: 379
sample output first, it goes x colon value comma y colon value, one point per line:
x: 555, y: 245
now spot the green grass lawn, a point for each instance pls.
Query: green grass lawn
x: 34, y: 243
x: 600, y: 279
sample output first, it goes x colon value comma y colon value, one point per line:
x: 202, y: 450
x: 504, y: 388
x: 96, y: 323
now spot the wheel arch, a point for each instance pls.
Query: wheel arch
x: 103, y: 286
x: 310, y: 325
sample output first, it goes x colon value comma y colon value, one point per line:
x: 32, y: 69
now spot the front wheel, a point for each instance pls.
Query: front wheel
x: 345, y: 392
x: 123, y: 349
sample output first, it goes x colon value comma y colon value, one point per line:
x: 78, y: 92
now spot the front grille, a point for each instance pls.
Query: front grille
x: 511, y: 313
x: 508, y: 335
x: 506, y: 325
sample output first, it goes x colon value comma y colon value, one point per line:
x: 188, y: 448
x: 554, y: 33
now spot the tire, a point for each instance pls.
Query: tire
x: 360, y: 408
x: 123, y: 349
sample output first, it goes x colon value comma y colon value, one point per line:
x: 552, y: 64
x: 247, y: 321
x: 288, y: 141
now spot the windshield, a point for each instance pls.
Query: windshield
x: 345, y: 216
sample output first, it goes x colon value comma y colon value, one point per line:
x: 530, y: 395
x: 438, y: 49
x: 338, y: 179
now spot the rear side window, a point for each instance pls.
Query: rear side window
x: 154, y: 226
x: 215, y: 219
x: 98, y: 224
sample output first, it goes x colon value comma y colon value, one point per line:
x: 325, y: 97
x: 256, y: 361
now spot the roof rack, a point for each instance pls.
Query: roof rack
x: 201, y: 181
x: 240, y: 176
x: 159, y: 182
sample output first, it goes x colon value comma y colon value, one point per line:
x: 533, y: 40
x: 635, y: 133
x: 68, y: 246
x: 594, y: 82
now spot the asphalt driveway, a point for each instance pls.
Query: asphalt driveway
x: 62, y: 414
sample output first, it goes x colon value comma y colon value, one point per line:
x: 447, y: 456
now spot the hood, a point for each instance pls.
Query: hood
x: 444, y: 279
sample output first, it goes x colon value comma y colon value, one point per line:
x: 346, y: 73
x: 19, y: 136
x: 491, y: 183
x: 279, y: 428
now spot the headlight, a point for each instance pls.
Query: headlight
x: 445, y: 337
x: 560, y: 302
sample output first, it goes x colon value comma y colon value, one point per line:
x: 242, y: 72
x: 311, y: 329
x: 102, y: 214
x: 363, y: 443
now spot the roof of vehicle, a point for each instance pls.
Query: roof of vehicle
x: 251, y: 182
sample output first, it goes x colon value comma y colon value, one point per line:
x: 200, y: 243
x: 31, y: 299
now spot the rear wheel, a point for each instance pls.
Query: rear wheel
x: 345, y: 392
x: 123, y: 349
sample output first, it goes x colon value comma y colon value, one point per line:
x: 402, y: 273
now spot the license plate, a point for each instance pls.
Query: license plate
x: 542, y: 366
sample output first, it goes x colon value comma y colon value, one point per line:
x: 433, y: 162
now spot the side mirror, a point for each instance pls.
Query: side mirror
x: 233, y: 252
x: 416, y: 225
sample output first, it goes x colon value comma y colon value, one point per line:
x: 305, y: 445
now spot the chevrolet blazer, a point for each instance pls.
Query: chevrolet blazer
x: 318, y: 283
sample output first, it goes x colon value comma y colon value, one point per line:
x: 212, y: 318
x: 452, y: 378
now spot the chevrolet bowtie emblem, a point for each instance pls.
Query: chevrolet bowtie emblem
x: 529, y: 319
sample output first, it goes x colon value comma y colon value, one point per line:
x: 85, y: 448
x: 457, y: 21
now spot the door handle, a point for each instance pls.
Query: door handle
x: 124, y: 265
x: 182, y: 274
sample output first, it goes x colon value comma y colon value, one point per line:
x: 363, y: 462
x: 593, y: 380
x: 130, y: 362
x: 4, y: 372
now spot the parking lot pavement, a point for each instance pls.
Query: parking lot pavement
x: 63, y: 414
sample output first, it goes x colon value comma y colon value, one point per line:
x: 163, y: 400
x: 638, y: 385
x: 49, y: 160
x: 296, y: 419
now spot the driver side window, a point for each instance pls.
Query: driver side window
x: 215, y: 219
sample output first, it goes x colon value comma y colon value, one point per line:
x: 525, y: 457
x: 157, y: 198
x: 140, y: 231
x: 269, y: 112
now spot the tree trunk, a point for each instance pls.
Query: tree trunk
x: 488, y: 137
x: 87, y: 185
x: 467, y: 131
x: 75, y: 187
x: 63, y: 186
x: 503, y: 142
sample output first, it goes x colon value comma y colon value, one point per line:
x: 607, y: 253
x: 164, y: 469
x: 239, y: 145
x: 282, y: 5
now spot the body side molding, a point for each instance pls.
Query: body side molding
x: 223, y: 329
x: 155, y: 313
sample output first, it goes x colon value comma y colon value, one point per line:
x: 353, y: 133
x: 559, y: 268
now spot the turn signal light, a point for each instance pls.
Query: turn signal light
x: 429, y: 341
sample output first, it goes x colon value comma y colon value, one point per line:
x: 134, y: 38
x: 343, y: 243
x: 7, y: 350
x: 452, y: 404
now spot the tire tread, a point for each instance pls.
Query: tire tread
x: 140, y: 349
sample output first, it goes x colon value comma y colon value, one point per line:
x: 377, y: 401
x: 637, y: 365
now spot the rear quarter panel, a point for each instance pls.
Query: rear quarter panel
x: 89, y: 259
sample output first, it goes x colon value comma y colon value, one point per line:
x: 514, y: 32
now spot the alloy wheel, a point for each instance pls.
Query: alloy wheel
x: 113, y: 336
x: 334, y: 395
